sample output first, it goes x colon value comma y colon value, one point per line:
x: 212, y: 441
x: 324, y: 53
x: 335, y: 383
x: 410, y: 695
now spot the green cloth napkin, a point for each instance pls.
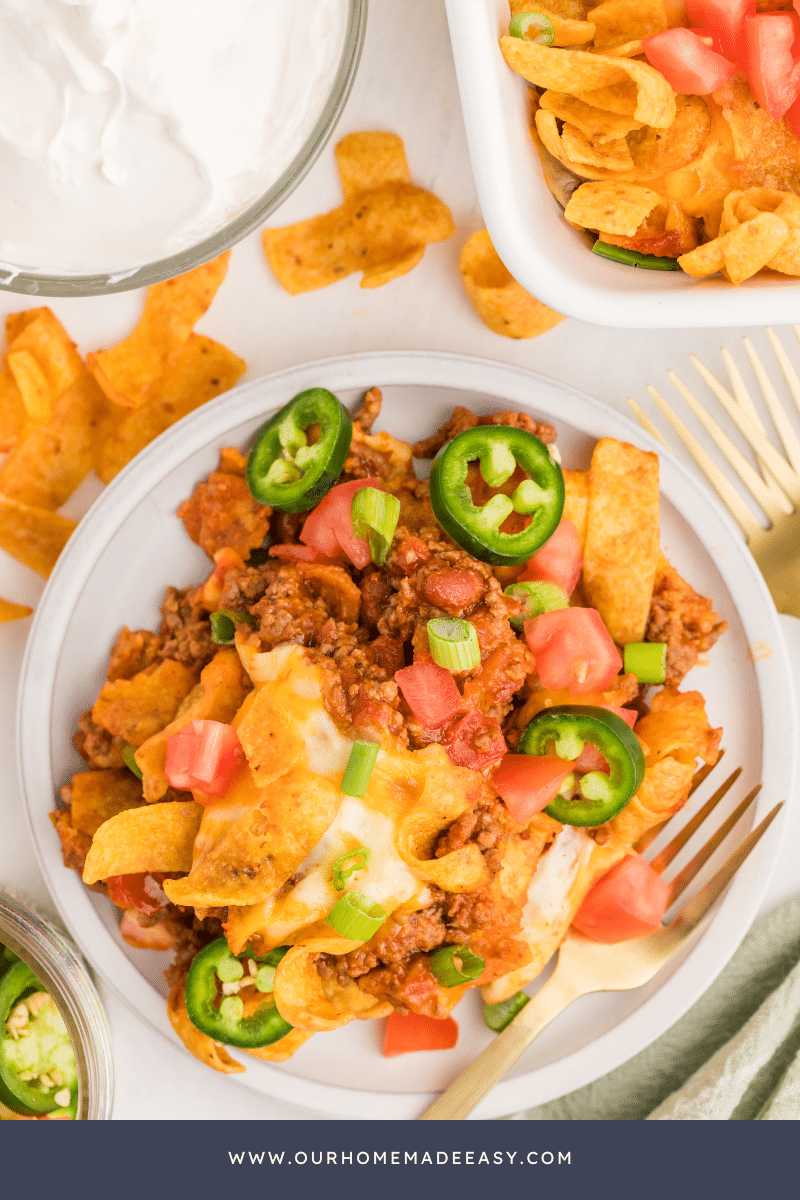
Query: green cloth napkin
x: 734, y: 1056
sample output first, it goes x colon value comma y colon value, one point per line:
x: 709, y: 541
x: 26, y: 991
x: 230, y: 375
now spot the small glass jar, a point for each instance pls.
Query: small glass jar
x: 56, y: 962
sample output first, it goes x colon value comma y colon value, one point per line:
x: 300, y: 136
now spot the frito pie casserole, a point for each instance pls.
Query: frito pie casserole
x: 401, y: 737
x: 683, y: 118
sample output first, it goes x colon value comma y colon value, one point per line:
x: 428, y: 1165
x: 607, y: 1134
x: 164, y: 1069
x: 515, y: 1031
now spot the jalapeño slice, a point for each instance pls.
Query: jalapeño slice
x: 564, y: 730
x: 283, y: 470
x: 223, y: 1018
x: 499, y: 449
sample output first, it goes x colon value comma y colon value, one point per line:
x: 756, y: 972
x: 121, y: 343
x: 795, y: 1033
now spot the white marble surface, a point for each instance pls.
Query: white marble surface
x: 406, y: 84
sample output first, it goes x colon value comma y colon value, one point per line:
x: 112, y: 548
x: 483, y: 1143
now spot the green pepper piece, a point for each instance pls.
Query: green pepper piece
x: 224, y: 1021
x: 283, y: 470
x: 499, y: 449
x: 632, y: 258
x: 16, y: 984
x: 567, y: 728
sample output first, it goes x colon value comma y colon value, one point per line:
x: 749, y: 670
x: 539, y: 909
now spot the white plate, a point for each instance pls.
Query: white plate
x: 130, y: 546
x: 527, y: 226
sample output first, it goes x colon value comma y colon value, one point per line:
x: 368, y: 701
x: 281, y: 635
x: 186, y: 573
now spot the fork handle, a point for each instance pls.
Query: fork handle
x: 458, y: 1101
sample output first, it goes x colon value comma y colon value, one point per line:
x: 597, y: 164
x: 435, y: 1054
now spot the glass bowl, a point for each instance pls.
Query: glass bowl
x: 35, y: 282
x: 56, y: 962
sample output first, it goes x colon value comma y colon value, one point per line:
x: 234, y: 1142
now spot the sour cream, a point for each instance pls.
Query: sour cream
x: 132, y: 129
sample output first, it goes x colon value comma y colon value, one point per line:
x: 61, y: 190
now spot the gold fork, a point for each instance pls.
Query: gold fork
x: 775, y: 488
x: 584, y: 966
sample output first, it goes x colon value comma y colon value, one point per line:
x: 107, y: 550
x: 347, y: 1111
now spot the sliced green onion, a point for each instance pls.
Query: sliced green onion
x: 632, y: 258
x: 129, y: 758
x: 375, y: 516
x: 264, y: 979
x: 360, y: 766
x: 497, y: 1016
x: 356, y: 916
x: 456, y: 964
x: 454, y: 644
x: 223, y: 625
x: 536, y: 597
x: 646, y: 660
x: 533, y: 26
x: 230, y: 969
x: 347, y: 864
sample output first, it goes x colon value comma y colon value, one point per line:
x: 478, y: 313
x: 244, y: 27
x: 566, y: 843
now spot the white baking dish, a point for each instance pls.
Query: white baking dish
x: 542, y: 251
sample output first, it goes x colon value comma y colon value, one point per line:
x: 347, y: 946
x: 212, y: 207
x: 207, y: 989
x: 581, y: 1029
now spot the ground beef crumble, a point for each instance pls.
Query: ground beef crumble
x: 683, y: 619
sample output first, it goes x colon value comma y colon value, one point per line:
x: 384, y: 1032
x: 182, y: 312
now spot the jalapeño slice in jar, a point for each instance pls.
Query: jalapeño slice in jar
x: 499, y: 450
x: 283, y: 470
x: 565, y: 730
x: 221, y: 1016
x: 38, y: 1074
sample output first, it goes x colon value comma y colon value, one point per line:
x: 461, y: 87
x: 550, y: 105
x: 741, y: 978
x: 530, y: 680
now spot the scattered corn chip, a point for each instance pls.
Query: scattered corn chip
x: 381, y: 229
x: 155, y: 837
x: 99, y: 795
x: 577, y: 72
x: 621, y: 550
x: 33, y: 386
x: 12, y: 411
x: 611, y: 156
x: 656, y: 152
x: 34, y: 536
x: 576, y: 500
x: 597, y: 124
x: 621, y: 21
x: 203, y: 369
x: 52, y: 458
x: 501, y: 302
x: 612, y: 207
x: 368, y: 160
x: 740, y: 252
x: 13, y: 612
x: 134, y: 709
x: 128, y: 372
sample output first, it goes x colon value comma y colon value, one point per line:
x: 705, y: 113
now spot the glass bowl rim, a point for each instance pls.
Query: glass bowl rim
x: 56, y: 962
x: 31, y: 282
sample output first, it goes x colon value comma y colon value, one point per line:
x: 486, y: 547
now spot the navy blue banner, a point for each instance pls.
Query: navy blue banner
x: 586, y: 1160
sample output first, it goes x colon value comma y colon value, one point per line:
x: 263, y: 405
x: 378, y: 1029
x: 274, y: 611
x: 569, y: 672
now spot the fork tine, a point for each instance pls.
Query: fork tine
x: 743, y: 397
x: 685, y: 877
x: 697, y: 908
x: 721, y: 484
x: 647, y: 424
x: 787, y: 435
x: 700, y: 776
x: 673, y: 848
x: 758, y: 440
x: 749, y: 477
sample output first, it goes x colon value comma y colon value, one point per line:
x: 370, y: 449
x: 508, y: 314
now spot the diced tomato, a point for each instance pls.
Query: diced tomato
x: 528, y: 782
x: 430, y: 692
x: 329, y: 528
x: 793, y: 118
x: 140, y: 892
x: 629, y: 715
x: 627, y: 902
x: 298, y: 554
x: 772, y: 71
x: 474, y: 741
x: 573, y: 649
x: 559, y: 561
x: 203, y: 757
x: 415, y: 1032
x: 689, y: 66
x: 154, y: 937
x: 724, y: 19
x: 590, y: 759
